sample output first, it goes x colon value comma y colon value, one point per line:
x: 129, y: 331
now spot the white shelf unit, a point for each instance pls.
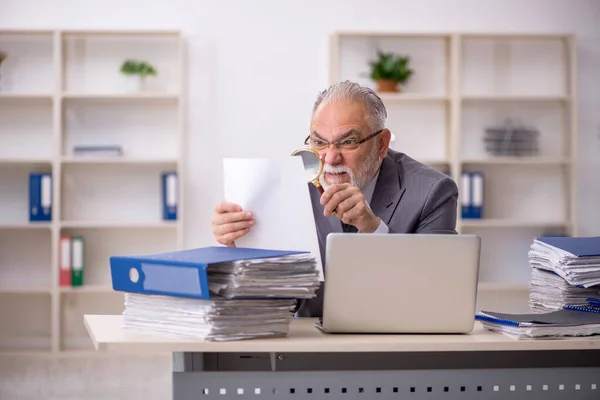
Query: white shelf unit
x: 464, y: 83
x: 60, y: 89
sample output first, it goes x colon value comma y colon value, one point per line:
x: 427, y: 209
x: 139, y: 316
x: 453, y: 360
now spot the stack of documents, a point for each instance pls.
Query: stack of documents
x: 215, y: 320
x: 291, y: 276
x: 214, y: 293
x: 549, y: 292
x: 568, y: 322
x: 575, y: 259
x: 565, y: 271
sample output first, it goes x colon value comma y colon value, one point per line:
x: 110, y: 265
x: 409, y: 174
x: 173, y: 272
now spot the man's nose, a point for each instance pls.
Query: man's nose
x: 332, y: 155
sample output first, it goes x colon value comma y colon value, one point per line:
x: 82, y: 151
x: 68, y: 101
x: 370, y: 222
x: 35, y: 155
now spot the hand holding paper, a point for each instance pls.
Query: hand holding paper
x: 276, y: 192
x: 230, y: 222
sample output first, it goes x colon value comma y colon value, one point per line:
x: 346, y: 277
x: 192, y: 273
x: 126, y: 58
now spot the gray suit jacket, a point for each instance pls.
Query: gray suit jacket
x: 409, y: 197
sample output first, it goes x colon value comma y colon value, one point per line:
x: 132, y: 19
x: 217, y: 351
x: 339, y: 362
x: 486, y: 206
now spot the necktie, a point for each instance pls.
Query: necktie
x: 349, y: 228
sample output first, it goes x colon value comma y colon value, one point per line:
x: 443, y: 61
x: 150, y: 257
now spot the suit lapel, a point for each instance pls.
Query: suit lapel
x: 331, y: 223
x: 388, y: 191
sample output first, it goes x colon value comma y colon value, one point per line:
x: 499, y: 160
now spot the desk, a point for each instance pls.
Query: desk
x: 309, y: 364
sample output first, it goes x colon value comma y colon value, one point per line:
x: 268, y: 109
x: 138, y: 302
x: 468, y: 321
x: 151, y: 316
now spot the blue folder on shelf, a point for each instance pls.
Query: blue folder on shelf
x: 472, y: 195
x: 180, y: 273
x: 169, y: 196
x: 40, y: 197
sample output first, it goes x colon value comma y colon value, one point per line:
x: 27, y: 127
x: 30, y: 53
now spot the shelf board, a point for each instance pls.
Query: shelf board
x: 411, y: 97
x: 515, y: 35
x: 120, y: 96
x: 87, y: 289
x: 26, y: 225
x: 25, y: 161
x: 26, y: 96
x: 120, y: 32
x: 510, y: 223
x: 514, y: 98
x: 394, y: 34
x: 88, y: 159
x: 517, y: 161
x: 118, y: 224
x: 26, y: 290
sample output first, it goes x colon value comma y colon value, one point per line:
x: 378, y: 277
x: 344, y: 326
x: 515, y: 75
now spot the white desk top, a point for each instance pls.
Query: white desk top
x: 107, y: 335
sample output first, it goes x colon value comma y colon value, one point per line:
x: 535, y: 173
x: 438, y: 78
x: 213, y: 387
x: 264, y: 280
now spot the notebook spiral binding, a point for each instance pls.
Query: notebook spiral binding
x: 501, y: 321
x: 593, y: 301
x: 590, y: 308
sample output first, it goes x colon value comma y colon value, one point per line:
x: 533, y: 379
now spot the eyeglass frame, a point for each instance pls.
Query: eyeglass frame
x: 337, y: 143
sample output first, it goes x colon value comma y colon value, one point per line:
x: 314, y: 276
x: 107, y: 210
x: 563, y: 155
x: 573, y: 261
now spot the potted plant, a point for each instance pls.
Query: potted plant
x: 389, y: 70
x: 136, y: 73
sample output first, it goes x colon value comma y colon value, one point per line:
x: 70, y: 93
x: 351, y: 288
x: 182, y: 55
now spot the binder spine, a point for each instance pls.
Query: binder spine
x: 466, y: 195
x: 40, y: 197
x: 170, y: 195
x: 478, y: 195
x: 65, y: 261
x: 159, y: 278
x: 77, y: 261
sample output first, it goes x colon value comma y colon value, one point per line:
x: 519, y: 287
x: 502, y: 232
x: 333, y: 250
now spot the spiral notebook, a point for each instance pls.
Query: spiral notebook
x: 568, y: 322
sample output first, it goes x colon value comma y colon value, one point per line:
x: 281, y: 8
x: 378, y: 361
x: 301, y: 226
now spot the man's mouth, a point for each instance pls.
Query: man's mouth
x: 335, y: 173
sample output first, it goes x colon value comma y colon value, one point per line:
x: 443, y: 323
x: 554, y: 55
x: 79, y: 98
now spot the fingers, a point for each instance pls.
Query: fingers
x: 233, y: 227
x: 231, y: 237
x: 230, y: 222
x: 227, y: 233
x: 225, y: 207
x: 333, y: 189
x: 337, y: 197
x: 351, y: 209
x: 231, y: 217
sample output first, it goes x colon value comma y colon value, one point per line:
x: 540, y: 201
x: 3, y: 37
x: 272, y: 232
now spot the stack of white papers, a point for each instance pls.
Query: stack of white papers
x: 212, y: 320
x: 549, y: 292
x: 576, y: 260
x: 289, y: 276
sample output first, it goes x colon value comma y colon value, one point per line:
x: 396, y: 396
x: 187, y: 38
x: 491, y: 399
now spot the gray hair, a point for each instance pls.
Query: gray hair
x: 349, y: 92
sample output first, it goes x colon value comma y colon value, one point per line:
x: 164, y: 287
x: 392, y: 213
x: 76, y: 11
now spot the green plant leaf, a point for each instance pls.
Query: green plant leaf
x: 390, y: 66
x: 135, y: 67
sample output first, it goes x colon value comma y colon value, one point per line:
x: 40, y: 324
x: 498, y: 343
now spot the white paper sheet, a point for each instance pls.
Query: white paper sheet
x: 276, y: 192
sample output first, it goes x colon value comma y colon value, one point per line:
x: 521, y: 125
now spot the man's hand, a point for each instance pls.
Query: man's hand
x: 351, y: 207
x: 230, y: 222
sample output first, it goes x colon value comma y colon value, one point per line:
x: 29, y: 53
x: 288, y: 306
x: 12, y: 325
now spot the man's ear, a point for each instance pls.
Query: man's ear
x: 384, y: 142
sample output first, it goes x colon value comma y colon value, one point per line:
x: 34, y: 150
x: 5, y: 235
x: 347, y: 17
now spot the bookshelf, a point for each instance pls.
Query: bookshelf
x: 463, y: 84
x: 60, y: 89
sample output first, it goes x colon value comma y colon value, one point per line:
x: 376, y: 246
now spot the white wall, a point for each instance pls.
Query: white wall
x: 256, y: 66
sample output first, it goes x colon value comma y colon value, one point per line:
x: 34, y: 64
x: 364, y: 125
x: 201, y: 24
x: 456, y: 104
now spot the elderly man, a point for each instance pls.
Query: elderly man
x: 370, y: 187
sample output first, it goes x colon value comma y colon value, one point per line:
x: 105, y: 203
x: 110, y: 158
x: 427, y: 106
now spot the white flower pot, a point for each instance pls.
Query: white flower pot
x: 134, y: 83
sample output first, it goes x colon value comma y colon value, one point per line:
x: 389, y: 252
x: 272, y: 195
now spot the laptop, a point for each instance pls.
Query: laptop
x: 400, y: 283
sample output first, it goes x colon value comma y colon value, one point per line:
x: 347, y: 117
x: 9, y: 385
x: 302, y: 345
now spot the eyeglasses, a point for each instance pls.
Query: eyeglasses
x: 344, y: 144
